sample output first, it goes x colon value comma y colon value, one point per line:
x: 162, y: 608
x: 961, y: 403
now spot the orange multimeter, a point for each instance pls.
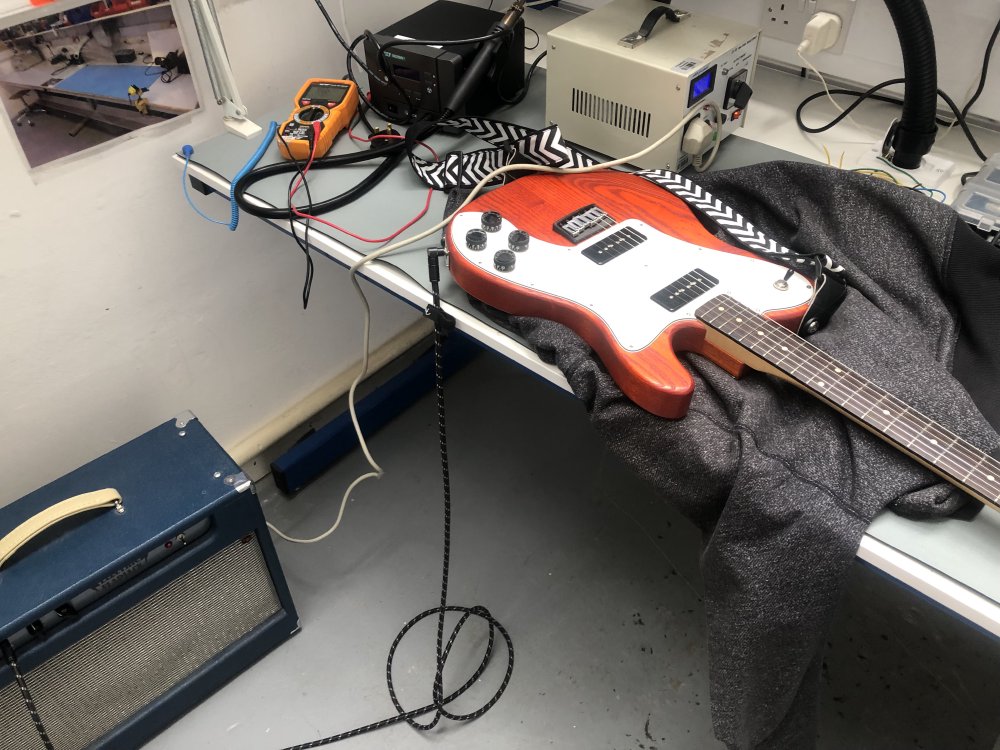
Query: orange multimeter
x: 329, y: 102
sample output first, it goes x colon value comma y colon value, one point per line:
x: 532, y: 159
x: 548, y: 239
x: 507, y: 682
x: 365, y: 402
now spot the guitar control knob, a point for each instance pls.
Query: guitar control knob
x: 504, y: 261
x: 475, y: 239
x: 518, y: 240
x: 492, y: 221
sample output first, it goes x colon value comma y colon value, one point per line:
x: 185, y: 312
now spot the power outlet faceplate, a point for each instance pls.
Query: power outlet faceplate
x: 786, y: 19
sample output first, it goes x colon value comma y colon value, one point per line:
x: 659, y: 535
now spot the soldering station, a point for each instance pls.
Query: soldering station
x: 420, y: 80
x: 558, y: 204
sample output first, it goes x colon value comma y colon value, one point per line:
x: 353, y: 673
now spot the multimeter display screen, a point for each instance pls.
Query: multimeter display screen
x: 702, y: 85
x: 325, y: 93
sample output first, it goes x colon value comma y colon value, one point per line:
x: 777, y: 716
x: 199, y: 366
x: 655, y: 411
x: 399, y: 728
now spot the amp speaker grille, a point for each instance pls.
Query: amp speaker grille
x: 611, y: 112
x: 103, y: 679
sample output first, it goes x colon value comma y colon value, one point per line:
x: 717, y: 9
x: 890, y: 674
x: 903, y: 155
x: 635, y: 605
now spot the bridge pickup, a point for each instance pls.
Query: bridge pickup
x: 687, y: 288
x: 613, y: 245
x: 583, y: 223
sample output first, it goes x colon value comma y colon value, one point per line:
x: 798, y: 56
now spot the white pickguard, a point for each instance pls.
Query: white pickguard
x: 620, y: 291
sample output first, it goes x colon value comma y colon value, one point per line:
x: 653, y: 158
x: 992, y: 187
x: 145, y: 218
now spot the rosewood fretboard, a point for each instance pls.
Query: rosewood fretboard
x: 815, y: 371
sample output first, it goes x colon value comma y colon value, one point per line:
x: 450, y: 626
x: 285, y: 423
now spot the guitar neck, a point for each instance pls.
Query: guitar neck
x: 769, y: 347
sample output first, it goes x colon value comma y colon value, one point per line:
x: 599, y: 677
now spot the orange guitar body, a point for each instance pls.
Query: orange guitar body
x: 649, y: 247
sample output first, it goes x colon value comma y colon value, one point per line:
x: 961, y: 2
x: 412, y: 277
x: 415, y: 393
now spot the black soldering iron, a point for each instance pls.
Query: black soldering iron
x: 484, y: 58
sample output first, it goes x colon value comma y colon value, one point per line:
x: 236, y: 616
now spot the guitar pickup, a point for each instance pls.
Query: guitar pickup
x: 687, y: 288
x: 613, y: 245
x: 583, y: 223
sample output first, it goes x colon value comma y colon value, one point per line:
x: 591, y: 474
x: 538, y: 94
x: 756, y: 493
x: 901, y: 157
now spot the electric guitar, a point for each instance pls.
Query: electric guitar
x: 629, y: 267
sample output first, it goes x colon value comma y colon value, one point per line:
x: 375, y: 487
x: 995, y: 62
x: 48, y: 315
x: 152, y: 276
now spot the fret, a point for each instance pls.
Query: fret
x: 957, y: 460
x: 970, y: 454
x: 820, y: 372
x: 908, y: 426
x: 985, y: 477
x: 864, y: 400
x: 975, y: 467
x: 934, y: 442
x: 885, y: 415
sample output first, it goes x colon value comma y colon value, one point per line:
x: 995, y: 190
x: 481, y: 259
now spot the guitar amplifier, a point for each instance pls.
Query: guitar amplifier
x: 124, y: 606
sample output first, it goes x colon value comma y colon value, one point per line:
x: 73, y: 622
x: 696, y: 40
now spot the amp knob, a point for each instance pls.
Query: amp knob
x: 504, y: 261
x: 492, y: 221
x: 475, y: 239
x: 518, y: 240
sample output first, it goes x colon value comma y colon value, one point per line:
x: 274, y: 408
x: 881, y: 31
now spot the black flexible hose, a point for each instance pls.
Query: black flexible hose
x: 391, y: 156
x: 913, y: 134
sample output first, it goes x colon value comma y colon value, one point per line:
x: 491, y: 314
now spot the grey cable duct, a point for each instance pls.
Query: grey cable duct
x: 912, y: 135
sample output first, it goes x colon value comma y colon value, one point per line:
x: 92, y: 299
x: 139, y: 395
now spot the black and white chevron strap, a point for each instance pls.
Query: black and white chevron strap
x: 544, y: 146
x: 458, y: 169
x: 547, y: 147
x: 729, y: 219
x: 497, y: 132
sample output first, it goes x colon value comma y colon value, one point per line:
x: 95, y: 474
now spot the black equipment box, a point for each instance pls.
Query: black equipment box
x: 428, y: 74
x: 123, y: 617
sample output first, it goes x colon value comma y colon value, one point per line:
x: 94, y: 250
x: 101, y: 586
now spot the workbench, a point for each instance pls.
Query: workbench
x: 100, y: 92
x: 955, y: 563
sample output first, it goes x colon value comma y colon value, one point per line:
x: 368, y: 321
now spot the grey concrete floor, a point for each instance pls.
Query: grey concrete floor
x: 596, y: 578
x: 49, y: 139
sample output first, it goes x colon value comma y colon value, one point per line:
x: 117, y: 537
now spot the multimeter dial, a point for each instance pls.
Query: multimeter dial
x: 311, y: 114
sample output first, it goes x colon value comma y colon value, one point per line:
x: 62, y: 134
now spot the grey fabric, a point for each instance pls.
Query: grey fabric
x: 782, y: 487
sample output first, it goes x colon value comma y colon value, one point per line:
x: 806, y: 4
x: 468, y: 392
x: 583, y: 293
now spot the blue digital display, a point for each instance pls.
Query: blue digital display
x: 702, y: 85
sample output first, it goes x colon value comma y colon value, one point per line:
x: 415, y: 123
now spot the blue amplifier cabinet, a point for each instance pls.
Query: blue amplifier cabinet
x: 121, y: 619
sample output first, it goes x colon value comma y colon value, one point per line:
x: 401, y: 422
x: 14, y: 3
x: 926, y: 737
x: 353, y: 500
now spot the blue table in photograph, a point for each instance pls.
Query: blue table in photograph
x: 100, y: 92
x: 110, y: 81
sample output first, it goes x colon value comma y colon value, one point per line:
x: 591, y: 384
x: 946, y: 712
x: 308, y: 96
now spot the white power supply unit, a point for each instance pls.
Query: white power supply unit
x: 615, y: 90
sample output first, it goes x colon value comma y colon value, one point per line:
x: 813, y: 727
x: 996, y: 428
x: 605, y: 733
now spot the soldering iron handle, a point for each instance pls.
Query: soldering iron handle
x: 481, y: 63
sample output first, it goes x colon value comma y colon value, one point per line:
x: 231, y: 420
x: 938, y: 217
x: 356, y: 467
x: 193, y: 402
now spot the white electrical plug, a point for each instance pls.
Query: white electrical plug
x: 697, y: 137
x: 822, y: 32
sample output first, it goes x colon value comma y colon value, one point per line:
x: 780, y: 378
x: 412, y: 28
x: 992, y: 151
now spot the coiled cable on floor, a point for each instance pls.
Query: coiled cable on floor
x: 440, y: 701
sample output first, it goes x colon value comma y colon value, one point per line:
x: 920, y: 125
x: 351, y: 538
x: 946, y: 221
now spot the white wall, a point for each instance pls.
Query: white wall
x: 961, y: 30
x: 119, y: 308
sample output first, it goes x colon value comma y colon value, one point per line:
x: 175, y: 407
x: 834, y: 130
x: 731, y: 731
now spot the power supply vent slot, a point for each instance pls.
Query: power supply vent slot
x: 611, y: 112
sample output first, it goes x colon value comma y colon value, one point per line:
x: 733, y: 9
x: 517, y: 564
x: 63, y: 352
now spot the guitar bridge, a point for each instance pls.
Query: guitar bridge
x: 583, y: 223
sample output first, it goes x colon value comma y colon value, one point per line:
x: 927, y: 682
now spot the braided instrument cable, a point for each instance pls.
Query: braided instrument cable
x: 439, y: 701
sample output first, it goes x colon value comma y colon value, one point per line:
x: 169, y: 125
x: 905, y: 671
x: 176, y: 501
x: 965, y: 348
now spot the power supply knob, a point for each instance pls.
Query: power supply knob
x: 518, y: 240
x: 492, y: 221
x: 504, y: 261
x: 475, y: 239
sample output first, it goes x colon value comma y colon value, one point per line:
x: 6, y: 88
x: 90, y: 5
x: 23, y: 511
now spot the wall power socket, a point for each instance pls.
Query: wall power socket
x: 787, y: 19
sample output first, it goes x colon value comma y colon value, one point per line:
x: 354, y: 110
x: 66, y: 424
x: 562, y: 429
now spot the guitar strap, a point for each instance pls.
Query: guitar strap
x: 513, y: 143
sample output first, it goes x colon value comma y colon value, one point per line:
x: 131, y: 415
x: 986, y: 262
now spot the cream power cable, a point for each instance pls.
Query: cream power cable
x: 376, y: 470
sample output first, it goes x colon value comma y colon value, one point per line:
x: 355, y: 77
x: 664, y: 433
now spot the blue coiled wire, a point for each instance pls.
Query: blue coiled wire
x: 234, y: 218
